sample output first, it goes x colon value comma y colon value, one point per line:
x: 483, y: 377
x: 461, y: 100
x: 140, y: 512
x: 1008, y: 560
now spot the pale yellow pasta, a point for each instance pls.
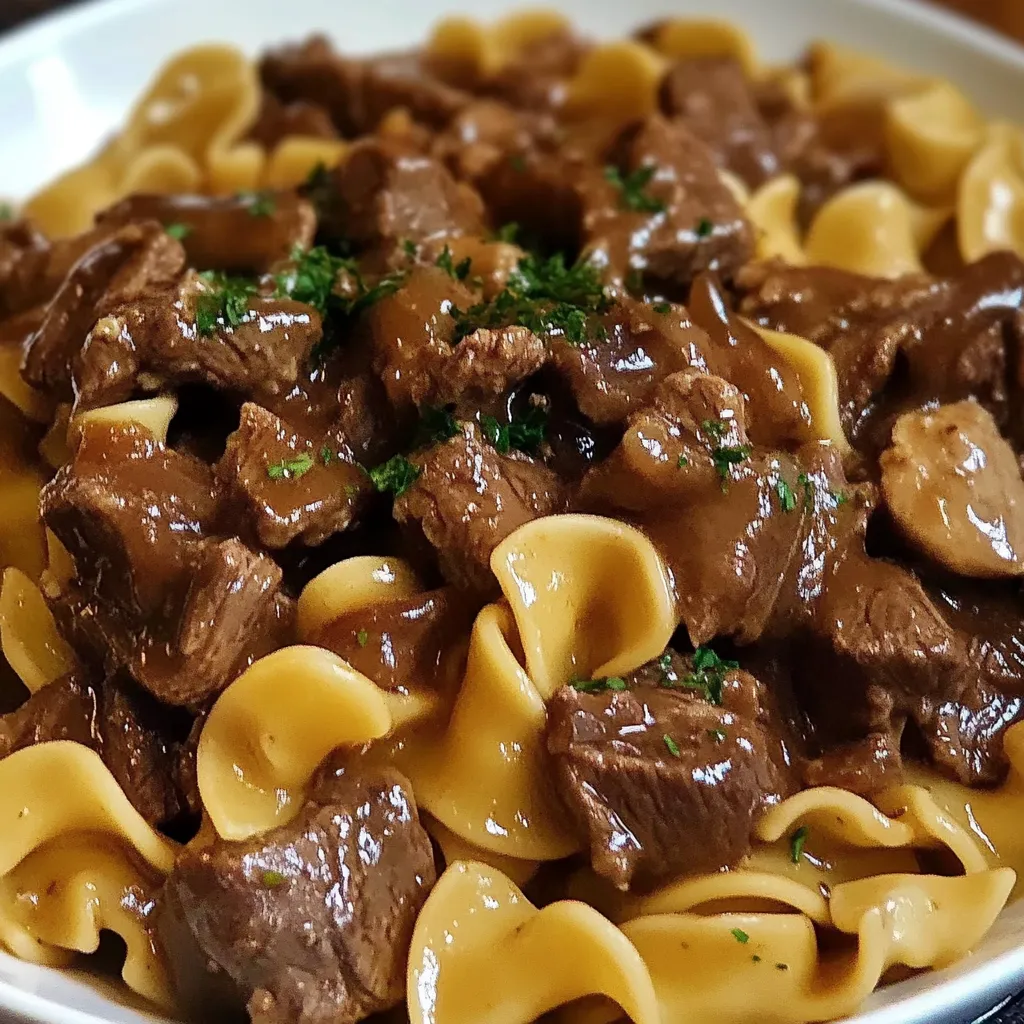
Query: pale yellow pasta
x: 30, y: 403
x: 990, y: 200
x: 616, y: 82
x: 271, y: 728
x: 841, y: 74
x: 682, y: 38
x: 772, y: 211
x: 483, y: 954
x: 21, y: 539
x: 349, y: 586
x: 54, y: 449
x: 872, y: 228
x: 291, y: 161
x: 154, y: 414
x: 930, y: 136
x: 62, y: 895
x: 28, y: 634
x: 818, y: 381
x: 455, y: 848
x: 590, y: 596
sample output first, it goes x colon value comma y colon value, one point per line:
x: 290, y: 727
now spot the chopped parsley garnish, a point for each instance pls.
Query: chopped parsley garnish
x: 507, y: 232
x: 716, y: 429
x: 786, y: 496
x: 326, y: 454
x: 410, y: 248
x: 796, y: 844
x: 6, y: 212
x: 673, y: 747
x: 524, y: 433
x: 177, y: 231
x: 362, y: 638
x: 457, y: 271
x: 226, y: 302
x: 631, y: 189
x: 740, y: 936
x: 809, y: 483
x: 682, y: 461
x: 437, y: 424
x: 396, y: 475
x: 662, y: 308
x: 387, y: 285
x: 598, y: 685
x: 259, y: 204
x: 272, y: 879
x: 291, y: 469
x: 724, y: 456
x: 708, y: 675
x: 839, y: 498
x: 544, y: 295
x: 704, y: 228
x: 312, y: 277
x: 717, y: 735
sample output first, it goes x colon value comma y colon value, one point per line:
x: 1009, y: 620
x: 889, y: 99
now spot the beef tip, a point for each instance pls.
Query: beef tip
x: 614, y: 375
x: 288, y: 486
x: 386, y: 193
x: 156, y: 592
x: 661, y: 781
x: 954, y: 488
x: 66, y: 709
x: 863, y: 766
x: 692, y: 221
x: 536, y: 76
x: 245, y: 234
x: 419, y: 358
x: 358, y: 93
x: 468, y: 498
x: 278, y: 121
x: 139, y: 751
x: 156, y: 341
x: 714, y: 99
x: 24, y: 254
x: 311, y: 922
x: 116, y: 270
x: 403, y: 641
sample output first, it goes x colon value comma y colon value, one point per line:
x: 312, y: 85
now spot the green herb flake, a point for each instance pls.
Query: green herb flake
x: 615, y: 683
x: 224, y: 303
x: 259, y: 204
x: 386, y: 286
x: 807, y: 486
x: 291, y: 469
x: 704, y: 228
x: 786, y: 496
x: 326, y: 454
x: 673, y: 747
x: 796, y: 844
x: 362, y: 638
x: 726, y: 456
x: 717, y: 735
x: 507, y: 233
x: 410, y: 248
x: 631, y: 189
x: 437, y: 424
x: 351, y: 490
x: 662, y: 308
x: 178, y: 232
x: 524, y: 433
x: 6, y: 212
x: 708, y: 675
x: 272, y: 879
x: 457, y: 271
x: 716, y: 429
x: 740, y: 936
x: 839, y: 498
x: 396, y: 475
x: 682, y: 461
x: 312, y: 277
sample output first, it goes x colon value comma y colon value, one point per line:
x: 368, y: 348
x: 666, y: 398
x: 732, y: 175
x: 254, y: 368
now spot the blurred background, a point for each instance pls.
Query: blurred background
x: 1005, y: 15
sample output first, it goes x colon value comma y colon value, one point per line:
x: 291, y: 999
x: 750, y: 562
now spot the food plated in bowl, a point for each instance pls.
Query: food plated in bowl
x: 525, y: 525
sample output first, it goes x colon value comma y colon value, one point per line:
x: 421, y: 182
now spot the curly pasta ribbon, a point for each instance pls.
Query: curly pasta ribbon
x: 32, y: 404
x: 590, y: 596
x: 772, y: 211
x: 21, y: 539
x: 617, y: 82
x: 455, y: 848
x: 29, y: 637
x: 482, y: 953
x: 153, y: 414
x: 683, y: 38
x: 271, y: 728
x: 990, y: 200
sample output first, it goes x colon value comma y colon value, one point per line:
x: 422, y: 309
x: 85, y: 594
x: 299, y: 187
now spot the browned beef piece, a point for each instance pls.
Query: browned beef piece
x: 311, y: 922
x: 117, y: 269
x: 612, y: 376
x: 154, y: 341
x: 468, y: 499
x: 699, y: 226
x: 289, y: 486
x: 661, y: 781
x: 23, y: 257
x: 715, y: 100
x: 66, y: 709
x: 863, y: 766
x: 246, y: 234
x: 278, y: 121
x: 403, y: 642
x: 358, y: 93
x: 156, y: 591
x: 421, y: 363
x: 386, y: 193
x: 536, y: 76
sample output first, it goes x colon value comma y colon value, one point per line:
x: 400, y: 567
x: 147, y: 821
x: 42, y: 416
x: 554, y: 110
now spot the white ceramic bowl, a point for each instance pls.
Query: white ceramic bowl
x: 67, y: 81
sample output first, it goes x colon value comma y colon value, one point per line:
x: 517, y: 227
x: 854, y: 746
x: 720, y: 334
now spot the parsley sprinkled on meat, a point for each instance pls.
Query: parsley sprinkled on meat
x: 396, y: 475
x: 632, y: 194
x: 457, y: 271
x: 673, y: 747
x: 599, y: 685
x: 786, y: 496
x: 312, y: 277
x: 177, y: 231
x: 708, y: 675
x: 226, y: 303
x: 260, y: 204
x: 524, y: 433
x: 272, y: 879
x: 437, y: 424
x: 726, y: 456
x: 291, y: 469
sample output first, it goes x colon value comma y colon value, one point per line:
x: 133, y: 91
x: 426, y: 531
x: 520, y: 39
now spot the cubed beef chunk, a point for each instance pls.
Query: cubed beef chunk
x: 286, y: 485
x: 386, y: 193
x: 661, y: 781
x: 674, y: 220
x: 311, y: 922
x: 246, y: 234
x: 278, y: 121
x: 66, y: 709
x: 468, y: 498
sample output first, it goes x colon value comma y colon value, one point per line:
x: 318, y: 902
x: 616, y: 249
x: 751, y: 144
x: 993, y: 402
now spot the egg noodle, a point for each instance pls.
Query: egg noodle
x: 787, y: 936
